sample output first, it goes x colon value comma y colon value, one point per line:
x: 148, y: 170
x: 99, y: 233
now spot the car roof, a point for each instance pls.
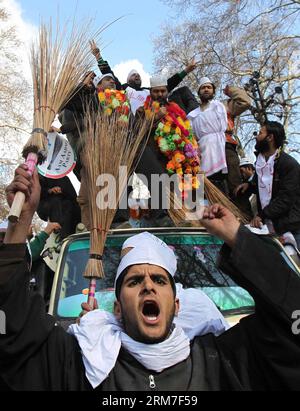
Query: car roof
x: 133, y: 231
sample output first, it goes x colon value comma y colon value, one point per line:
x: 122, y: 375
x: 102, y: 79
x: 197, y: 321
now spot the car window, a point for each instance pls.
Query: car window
x: 197, y: 268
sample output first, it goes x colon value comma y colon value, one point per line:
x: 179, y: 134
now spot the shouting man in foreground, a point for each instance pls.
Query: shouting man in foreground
x: 143, y: 349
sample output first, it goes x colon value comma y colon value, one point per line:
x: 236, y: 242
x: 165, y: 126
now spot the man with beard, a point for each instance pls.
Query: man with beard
x: 172, y: 150
x: 276, y: 183
x: 142, y: 347
x: 213, y: 124
x: 135, y: 92
x: 152, y: 161
x: 209, y: 122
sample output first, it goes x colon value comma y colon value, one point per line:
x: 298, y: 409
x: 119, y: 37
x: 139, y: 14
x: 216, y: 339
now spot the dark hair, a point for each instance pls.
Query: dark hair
x: 122, y: 276
x: 248, y: 165
x: 214, y: 88
x: 119, y: 282
x: 277, y: 130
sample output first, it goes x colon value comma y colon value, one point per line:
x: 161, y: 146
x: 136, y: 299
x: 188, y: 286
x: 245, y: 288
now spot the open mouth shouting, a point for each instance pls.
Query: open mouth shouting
x: 150, y: 312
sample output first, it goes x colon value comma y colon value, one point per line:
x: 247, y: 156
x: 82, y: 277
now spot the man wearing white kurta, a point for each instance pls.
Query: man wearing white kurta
x: 209, y: 122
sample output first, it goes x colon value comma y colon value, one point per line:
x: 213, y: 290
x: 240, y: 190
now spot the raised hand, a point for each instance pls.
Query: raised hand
x: 86, y: 309
x: 191, y: 66
x: 226, y: 91
x: 219, y: 221
x: 27, y: 184
x: 94, y: 49
x: 30, y: 186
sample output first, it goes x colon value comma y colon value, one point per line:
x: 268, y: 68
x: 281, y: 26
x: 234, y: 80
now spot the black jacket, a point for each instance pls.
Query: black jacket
x: 72, y: 119
x: 64, y: 183
x: 284, y: 208
x: 185, y: 99
x: 72, y: 115
x: 260, y: 353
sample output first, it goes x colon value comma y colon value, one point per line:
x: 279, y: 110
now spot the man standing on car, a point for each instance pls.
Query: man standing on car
x: 213, y: 123
x: 135, y: 92
x: 145, y: 351
x: 276, y: 183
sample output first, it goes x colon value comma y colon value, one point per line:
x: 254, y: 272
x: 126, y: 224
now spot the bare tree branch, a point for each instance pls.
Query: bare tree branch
x: 16, y: 128
x: 272, y: 10
x: 229, y: 52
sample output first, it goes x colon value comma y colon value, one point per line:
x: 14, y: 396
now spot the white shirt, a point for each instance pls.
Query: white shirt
x: 136, y: 98
x: 265, y: 174
x: 209, y: 127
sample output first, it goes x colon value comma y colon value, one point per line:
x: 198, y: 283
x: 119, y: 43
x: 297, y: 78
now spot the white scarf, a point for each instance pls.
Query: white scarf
x: 265, y: 173
x: 100, y: 336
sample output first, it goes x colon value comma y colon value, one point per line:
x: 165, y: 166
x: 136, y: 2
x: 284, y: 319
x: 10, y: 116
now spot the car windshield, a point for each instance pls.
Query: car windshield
x: 196, y: 255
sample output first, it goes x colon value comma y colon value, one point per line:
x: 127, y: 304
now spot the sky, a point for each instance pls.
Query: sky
x: 128, y: 42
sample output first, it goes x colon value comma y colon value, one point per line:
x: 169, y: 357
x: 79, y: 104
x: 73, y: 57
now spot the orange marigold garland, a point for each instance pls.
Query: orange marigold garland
x: 115, y: 101
x: 175, y: 139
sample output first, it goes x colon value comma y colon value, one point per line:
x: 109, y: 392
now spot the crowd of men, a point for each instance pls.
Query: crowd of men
x: 140, y: 347
x: 275, y: 179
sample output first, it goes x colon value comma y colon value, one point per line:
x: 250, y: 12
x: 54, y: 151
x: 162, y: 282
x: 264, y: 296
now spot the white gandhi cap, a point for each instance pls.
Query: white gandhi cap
x: 204, y: 80
x: 245, y: 161
x: 131, y: 73
x: 98, y: 79
x: 158, y: 81
x: 147, y: 249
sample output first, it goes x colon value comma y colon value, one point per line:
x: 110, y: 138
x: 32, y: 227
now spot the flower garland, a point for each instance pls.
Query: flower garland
x: 115, y: 101
x: 175, y: 139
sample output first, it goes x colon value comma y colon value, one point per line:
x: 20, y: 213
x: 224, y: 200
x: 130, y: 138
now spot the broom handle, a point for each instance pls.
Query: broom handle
x: 19, y: 200
x: 92, y: 292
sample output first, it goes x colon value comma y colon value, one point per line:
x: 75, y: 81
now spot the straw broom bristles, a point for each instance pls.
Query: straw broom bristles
x: 108, y: 145
x: 215, y: 196
x: 57, y: 65
x: 58, y: 62
x: 179, y: 213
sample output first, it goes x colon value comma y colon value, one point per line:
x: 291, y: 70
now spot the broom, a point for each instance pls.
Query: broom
x: 179, y: 213
x: 57, y: 67
x: 108, y: 145
x: 214, y: 196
